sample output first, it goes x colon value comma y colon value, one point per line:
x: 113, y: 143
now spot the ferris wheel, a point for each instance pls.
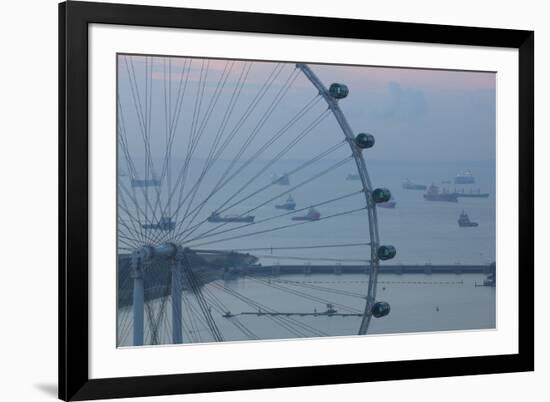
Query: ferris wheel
x: 230, y: 166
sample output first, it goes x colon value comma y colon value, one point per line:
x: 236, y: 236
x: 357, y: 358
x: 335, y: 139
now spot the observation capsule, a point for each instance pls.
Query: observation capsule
x: 364, y: 140
x: 380, y: 309
x: 386, y: 252
x: 380, y: 195
x: 338, y: 91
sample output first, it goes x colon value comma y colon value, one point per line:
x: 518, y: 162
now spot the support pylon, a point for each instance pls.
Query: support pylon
x: 176, y: 267
x: 138, y: 299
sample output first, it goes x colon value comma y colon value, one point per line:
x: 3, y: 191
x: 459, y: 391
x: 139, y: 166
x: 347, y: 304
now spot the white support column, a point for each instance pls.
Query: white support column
x: 176, y: 268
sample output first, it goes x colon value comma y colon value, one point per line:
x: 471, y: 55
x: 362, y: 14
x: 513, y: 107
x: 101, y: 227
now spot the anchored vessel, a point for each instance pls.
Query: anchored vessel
x: 312, y: 215
x: 165, y: 224
x: 282, y: 180
x: 433, y: 194
x: 145, y: 183
x: 216, y: 217
x: 388, y: 204
x: 464, y: 221
x: 409, y: 185
x: 465, y: 177
x: 353, y: 176
x: 289, y: 204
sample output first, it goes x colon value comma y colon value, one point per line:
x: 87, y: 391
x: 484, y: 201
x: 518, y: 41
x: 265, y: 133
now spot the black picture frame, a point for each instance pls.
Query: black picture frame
x: 74, y: 18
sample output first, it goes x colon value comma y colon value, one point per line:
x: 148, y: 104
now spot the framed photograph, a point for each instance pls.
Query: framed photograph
x: 257, y: 200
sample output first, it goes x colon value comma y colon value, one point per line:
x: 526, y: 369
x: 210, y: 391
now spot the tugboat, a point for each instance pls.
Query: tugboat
x: 216, y: 217
x: 465, y: 222
x: 282, y: 180
x: 353, y: 176
x: 471, y: 194
x: 409, y: 185
x: 330, y: 310
x: 312, y: 215
x: 465, y: 177
x: 433, y: 194
x: 388, y: 204
x: 289, y: 204
x: 165, y: 224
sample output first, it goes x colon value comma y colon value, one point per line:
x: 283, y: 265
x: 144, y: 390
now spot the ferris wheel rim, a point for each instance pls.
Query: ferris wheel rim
x: 367, y: 189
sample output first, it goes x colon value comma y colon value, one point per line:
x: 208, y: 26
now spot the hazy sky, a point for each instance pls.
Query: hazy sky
x: 415, y: 114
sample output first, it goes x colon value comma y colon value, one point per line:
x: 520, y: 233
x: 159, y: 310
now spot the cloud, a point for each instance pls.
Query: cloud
x: 400, y: 103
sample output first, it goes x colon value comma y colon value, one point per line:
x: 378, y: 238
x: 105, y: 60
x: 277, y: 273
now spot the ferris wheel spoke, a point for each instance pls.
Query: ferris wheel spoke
x: 309, y: 258
x: 133, y: 218
x: 214, y: 153
x: 304, y: 295
x: 192, y: 138
x: 173, y: 121
x: 249, y: 109
x: 276, y: 320
x: 259, y: 96
x: 303, y: 183
x: 222, y: 310
x: 282, y: 215
x: 215, y: 98
x: 124, y: 210
x: 262, y: 121
x: 278, y: 228
x: 143, y: 113
x: 196, y: 136
x: 172, y: 125
x: 315, y: 159
x: 270, y: 163
x: 270, y: 142
x: 252, y: 106
x: 299, y: 247
x: 126, y: 241
x: 130, y: 231
x: 135, y: 93
x: 131, y: 172
x: 139, y: 212
x: 294, y: 326
x: 189, y: 231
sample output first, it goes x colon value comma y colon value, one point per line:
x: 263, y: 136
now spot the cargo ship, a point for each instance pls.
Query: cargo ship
x: 465, y: 177
x: 282, y: 180
x: 388, y: 204
x: 145, y: 183
x: 433, y: 194
x: 409, y: 185
x: 216, y: 217
x: 353, y: 176
x: 165, y: 224
x: 289, y: 204
x: 312, y: 215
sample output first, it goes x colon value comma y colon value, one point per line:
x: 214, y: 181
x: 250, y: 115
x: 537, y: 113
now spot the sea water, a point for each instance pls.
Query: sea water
x: 423, y: 232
